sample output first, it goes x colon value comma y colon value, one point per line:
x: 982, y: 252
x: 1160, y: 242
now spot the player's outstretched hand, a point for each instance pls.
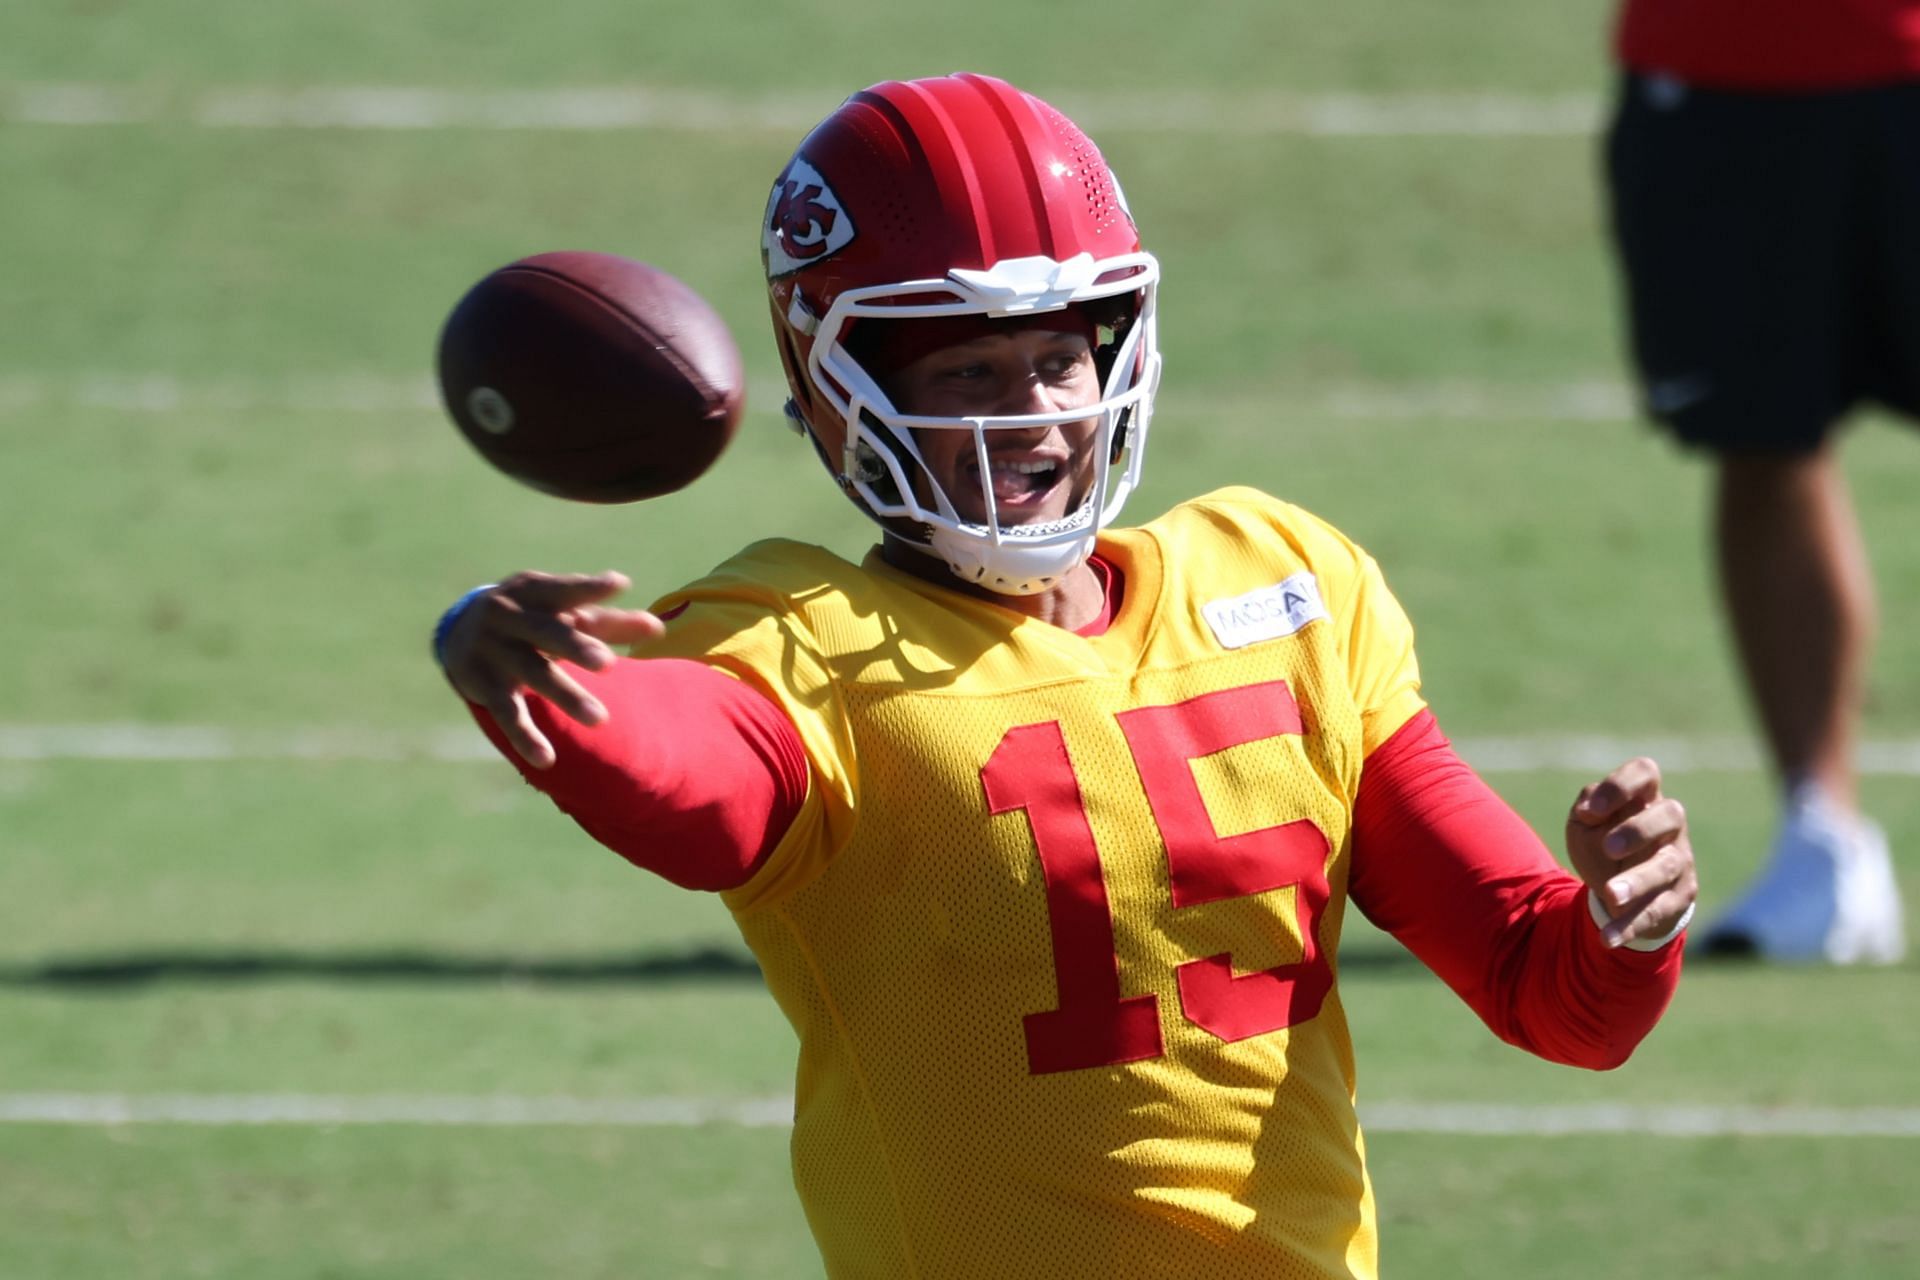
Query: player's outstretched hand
x: 1629, y: 843
x: 506, y: 642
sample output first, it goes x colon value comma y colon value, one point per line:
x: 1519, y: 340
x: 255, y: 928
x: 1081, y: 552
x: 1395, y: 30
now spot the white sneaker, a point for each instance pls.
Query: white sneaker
x: 1827, y: 894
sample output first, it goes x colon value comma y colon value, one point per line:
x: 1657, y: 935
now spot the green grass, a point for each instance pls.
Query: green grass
x: 1771, y: 1209
x: 406, y: 1205
x: 290, y: 561
x: 814, y: 47
x: 367, y: 1203
x: 244, y: 557
x: 259, y: 254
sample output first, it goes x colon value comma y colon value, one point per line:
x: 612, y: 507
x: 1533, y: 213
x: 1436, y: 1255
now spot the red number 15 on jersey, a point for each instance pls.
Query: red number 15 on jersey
x: 1094, y: 1025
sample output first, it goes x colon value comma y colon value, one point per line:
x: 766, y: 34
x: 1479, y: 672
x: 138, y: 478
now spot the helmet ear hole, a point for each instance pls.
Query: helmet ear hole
x: 869, y: 468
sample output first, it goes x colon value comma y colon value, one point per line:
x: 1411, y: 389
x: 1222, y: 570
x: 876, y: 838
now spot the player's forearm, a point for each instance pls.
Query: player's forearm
x: 694, y: 775
x: 1568, y: 997
x: 1444, y: 864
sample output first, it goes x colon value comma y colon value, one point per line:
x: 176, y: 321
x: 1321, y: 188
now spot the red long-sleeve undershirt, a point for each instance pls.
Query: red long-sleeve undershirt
x: 1445, y: 866
x: 695, y: 776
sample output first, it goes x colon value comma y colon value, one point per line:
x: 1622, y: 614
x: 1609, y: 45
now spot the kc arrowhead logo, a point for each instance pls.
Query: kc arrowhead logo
x: 805, y: 220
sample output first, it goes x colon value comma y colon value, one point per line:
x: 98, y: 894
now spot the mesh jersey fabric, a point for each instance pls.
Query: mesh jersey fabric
x: 1056, y: 926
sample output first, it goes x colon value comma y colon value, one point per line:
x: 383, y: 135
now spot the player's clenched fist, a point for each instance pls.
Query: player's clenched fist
x: 510, y: 638
x: 1629, y: 843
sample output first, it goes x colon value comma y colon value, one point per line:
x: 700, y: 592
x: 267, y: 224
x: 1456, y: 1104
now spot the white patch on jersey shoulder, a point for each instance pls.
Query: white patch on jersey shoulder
x: 805, y: 220
x: 1266, y: 614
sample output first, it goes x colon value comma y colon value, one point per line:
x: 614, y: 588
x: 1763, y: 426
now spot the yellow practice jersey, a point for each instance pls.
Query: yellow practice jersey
x: 1057, y: 923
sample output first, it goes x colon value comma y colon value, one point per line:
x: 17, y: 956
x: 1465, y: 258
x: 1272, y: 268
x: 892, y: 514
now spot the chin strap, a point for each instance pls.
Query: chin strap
x: 1009, y: 568
x: 1040, y: 568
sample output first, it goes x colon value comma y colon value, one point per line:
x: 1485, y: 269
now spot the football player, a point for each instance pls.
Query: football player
x: 1042, y: 828
x: 1764, y: 169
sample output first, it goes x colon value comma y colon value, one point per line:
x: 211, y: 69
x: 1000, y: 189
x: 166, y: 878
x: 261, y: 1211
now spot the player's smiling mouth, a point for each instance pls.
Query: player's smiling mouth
x: 1021, y: 482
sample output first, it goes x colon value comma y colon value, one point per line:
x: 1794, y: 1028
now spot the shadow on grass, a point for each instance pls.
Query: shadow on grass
x: 212, y: 968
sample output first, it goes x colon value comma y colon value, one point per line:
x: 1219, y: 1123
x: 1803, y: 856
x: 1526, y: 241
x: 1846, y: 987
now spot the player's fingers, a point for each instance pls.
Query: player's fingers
x: 509, y: 711
x: 479, y: 669
x: 1588, y: 809
x: 562, y: 690
x: 566, y: 693
x: 553, y: 592
x: 618, y: 626
x: 1628, y: 787
x: 1659, y: 870
x: 1660, y: 823
x: 509, y: 624
x: 1652, y: 917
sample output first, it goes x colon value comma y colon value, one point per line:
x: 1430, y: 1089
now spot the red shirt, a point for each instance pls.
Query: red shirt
x: 1773, y: 44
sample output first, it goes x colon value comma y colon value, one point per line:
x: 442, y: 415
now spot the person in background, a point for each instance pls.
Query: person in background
x: 1042, y: 828
x: 1764, y: 169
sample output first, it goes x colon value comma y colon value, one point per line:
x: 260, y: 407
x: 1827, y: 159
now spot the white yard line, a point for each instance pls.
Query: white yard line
x: 509, y: 1111
x: 589, y: 109
x: 1522, y: 753
x: 1683, y: 1121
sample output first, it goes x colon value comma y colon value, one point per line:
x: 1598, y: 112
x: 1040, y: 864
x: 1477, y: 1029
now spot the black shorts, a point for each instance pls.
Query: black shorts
x: 1771, y: 250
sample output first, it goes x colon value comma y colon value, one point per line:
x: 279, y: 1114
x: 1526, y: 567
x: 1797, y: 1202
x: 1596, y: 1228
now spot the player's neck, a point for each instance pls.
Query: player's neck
x: 1071, y: 604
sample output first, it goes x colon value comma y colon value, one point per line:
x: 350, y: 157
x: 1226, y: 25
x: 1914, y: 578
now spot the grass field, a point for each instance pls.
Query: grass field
x: 234, y: 508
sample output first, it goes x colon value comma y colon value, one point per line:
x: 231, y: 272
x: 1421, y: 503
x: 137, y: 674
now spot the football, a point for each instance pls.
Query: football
x: 591, y: 376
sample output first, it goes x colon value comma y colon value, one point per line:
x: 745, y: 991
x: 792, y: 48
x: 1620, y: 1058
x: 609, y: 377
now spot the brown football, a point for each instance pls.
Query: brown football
x: 591, y: 376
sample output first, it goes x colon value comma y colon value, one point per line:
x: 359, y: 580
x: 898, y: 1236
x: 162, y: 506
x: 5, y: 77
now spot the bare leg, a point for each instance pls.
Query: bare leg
x: 1799, y: 596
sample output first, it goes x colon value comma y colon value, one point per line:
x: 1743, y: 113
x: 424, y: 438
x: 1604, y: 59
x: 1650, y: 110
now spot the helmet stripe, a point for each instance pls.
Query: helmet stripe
x: 1027, y: 137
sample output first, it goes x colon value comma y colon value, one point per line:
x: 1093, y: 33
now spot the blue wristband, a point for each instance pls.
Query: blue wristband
x: 451, y: 616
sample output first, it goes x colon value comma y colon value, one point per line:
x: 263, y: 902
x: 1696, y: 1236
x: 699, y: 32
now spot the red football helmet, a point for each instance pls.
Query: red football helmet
x: 956, y: 196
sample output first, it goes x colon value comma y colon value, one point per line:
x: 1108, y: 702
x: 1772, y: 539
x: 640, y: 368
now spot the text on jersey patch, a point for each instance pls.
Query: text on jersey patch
x: 1266, y: 614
